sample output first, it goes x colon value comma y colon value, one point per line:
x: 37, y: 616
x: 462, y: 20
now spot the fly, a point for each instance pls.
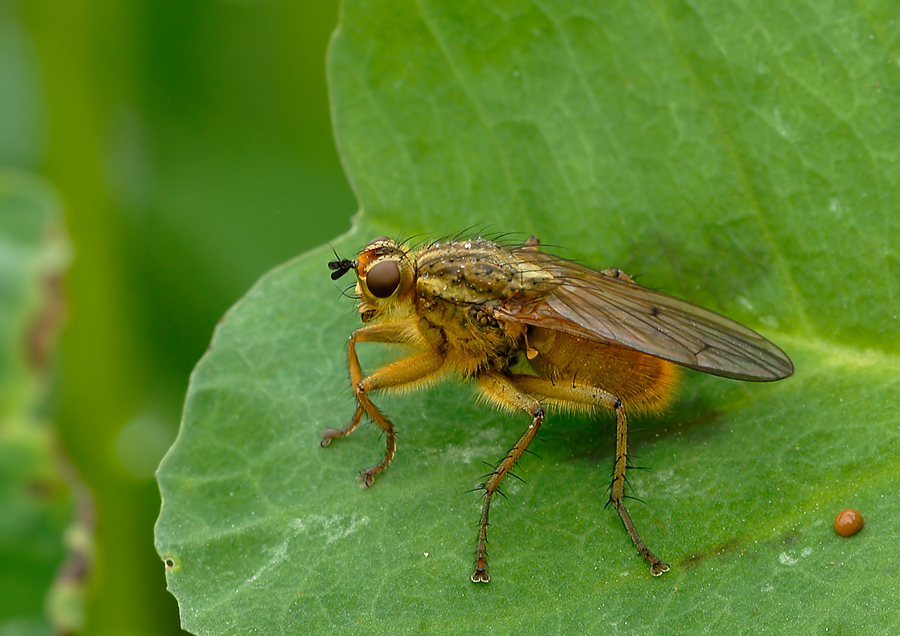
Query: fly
x: 533, y: 329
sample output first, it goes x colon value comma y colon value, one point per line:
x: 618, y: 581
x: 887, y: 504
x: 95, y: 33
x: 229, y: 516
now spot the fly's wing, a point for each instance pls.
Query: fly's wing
x: 601, y: 308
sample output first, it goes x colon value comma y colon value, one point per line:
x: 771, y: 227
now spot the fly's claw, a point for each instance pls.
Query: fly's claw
x: 480, y: 574
x: 367, y: 478
x: 658, y: 567
x: 327, y: 435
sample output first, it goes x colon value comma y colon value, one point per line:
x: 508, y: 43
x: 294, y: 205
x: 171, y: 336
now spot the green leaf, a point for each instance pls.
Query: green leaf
x: 33, y: 256
x: 743, y: 156
x: 36, y: 503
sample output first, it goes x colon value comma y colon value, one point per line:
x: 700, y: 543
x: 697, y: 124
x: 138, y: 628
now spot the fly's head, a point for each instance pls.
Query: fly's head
x: 385, y: 278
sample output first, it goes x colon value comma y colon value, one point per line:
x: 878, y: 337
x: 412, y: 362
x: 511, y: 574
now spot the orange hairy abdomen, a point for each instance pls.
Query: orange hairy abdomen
x: 641, y: 381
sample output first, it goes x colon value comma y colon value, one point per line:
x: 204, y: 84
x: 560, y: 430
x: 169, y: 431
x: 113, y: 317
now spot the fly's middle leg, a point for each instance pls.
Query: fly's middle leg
x: 499, y: 388
x: 573, y: 393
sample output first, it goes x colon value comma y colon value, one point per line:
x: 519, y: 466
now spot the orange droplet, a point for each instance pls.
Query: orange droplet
x: 848, y: 522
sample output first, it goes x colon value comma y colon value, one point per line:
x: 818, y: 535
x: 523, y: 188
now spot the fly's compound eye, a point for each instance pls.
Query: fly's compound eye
x: 383, y: 279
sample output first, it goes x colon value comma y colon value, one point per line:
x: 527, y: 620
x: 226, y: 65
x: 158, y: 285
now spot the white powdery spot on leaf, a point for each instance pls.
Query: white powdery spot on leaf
x: 333, y: 528
x: 786, y: 559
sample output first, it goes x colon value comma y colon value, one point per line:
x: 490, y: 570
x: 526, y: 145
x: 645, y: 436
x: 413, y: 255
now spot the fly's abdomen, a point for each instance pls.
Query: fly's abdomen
x: 642, y: 382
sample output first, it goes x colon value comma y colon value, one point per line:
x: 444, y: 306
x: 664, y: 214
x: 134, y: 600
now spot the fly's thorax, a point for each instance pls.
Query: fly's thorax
x: 468, y: 336
x: 385, y: 281
x: 476, y: 271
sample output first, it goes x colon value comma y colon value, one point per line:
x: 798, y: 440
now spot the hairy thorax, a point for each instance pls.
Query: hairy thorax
x: 470, y: 338
x: 457, y: 284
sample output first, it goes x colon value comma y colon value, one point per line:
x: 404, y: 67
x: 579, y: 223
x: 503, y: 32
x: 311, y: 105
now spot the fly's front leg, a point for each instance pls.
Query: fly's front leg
x: 331, y: 433
x: 499, y: 388
x: 389, y: 332
x: 411, y: 370
x: 571, y: 392
x: 407, y: 371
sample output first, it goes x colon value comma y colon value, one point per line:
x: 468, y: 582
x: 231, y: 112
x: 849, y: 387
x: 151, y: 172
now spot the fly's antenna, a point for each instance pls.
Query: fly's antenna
x: 340, y: 266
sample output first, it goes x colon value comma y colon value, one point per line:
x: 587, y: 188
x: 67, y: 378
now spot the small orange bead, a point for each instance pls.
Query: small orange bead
x: 848, y: 522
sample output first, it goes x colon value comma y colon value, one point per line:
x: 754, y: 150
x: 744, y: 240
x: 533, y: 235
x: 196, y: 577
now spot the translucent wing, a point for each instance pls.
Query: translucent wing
x: 603, y: 308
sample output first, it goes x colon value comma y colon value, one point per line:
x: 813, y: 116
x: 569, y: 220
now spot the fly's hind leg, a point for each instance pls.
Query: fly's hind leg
x: 405, y: 372
x: 573, y: 393
x: 499, y: 388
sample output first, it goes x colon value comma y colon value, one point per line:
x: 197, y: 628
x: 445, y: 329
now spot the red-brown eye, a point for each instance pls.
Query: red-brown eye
x: 848, y: 522
x: 383, y: 279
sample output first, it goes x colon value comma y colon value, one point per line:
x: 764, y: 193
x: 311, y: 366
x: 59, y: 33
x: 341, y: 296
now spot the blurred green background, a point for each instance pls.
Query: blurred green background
x: 191, y: 146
